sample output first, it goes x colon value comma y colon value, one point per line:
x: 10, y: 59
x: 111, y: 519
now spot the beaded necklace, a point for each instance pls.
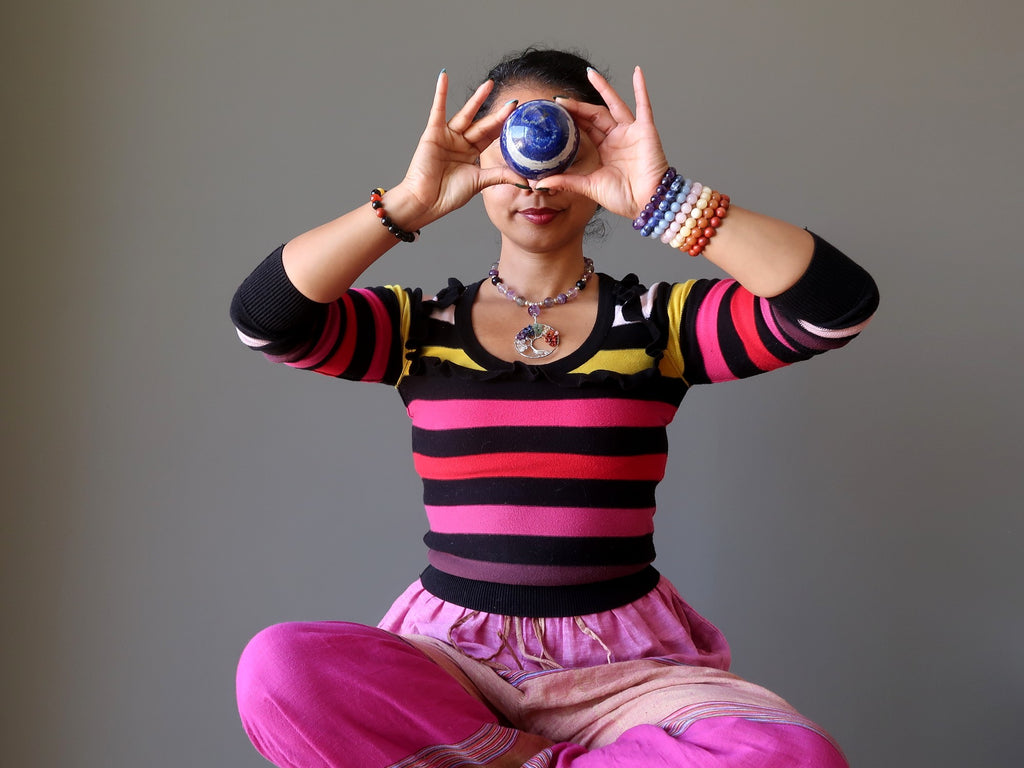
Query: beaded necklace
x: 527, y: 339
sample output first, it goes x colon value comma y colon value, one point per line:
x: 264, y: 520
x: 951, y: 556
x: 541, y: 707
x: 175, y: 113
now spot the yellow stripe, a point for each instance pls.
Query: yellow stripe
x: 624, y: 361
x: 404, y: 321
x: 676, y: 300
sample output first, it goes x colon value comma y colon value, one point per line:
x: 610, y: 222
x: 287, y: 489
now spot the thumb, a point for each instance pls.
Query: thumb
x: 567, y: 182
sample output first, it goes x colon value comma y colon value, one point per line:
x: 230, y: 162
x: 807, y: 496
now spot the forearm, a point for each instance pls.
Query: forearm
x: 326, y: 261
x: 766, y: 255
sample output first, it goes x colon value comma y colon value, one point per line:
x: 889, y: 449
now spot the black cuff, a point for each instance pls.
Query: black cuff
x: 267, y: 305
x: 834, y: 292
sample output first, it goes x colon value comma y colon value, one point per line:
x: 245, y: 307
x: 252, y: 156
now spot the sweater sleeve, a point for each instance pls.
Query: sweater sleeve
x: 361, y: 336
x: 724, y: 332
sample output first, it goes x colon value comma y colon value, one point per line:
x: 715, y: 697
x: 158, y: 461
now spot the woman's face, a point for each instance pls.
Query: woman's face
x: 538, y: 221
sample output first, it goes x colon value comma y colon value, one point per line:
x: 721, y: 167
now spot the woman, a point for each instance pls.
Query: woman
x: 540, y: 634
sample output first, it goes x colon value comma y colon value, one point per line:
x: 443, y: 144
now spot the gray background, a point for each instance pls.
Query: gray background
x: 853, y: 524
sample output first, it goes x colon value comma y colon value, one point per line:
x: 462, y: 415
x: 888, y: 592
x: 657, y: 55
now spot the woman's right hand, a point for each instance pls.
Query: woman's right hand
x: 445, y: 172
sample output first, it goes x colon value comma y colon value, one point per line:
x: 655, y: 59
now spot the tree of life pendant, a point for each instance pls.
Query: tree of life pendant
x: 537, y: 333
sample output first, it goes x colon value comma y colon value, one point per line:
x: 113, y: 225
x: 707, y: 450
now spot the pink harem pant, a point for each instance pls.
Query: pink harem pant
x: 350, y: 696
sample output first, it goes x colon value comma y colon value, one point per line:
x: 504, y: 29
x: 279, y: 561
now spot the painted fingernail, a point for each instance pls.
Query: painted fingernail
x: 521, y: 186
x: 511, y: 101
x: 560, y: 96
x: 542, y: 189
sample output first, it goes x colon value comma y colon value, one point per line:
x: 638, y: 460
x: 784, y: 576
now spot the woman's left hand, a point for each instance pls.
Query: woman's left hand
x: 629, y: 148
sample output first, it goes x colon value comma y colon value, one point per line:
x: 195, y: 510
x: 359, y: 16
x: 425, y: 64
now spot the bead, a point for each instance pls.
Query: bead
x: 581, y: 284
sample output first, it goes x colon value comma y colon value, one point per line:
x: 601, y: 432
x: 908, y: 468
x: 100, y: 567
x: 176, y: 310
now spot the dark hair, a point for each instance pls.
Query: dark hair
x: 564, y: 72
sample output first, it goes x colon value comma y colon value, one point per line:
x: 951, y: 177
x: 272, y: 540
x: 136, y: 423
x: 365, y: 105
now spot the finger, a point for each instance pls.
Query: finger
x: 464, y: 117
x: 438, y: 108
x: 485, y: 130
x: 618, y: 108
x: 500, y: 174
x: 644, y: 111
x: 591, y: 114
x: 567, y: 182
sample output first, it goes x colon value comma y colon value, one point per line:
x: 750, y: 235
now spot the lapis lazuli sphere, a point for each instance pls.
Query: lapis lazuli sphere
x: 539, y: 139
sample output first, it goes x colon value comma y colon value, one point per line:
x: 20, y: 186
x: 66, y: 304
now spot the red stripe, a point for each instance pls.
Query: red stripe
x: 556, y: 465
x: 342, y: 357
x: 743, y: 308
x: 383, y: 335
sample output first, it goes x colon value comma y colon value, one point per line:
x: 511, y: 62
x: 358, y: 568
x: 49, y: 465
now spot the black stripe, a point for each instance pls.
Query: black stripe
x: 733, y: 350
x: 541, y: 492
x: 633, y: 336
x: 546, y: 602
x: 396, y: 358
x: 588, y: 441
x: 364, y: 326
x: 438, y: 386
x: 545, y: 550
x: 776, y: 347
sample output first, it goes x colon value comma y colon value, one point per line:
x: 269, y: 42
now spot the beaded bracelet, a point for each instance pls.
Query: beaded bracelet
x: 682, y: 213
x: 377, y: 203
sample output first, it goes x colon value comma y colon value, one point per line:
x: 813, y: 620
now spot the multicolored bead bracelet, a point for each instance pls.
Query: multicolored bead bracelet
x: 377, y: 203
x: 682, y: 213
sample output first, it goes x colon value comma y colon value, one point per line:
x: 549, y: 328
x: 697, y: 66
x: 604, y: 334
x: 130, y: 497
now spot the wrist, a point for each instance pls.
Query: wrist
x: 385, y: 213
x: 405, y: 209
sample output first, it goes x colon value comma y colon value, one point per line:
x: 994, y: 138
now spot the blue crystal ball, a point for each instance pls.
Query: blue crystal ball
x: 539, y: 139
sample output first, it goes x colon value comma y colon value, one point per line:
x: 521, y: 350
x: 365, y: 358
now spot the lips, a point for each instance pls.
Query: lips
x: 539, y: 215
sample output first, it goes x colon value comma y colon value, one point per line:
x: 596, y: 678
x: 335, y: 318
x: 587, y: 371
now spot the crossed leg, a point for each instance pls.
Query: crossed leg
x: 341, y: 695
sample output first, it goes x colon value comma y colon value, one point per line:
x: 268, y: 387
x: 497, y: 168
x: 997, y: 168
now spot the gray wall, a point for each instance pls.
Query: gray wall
x: 853, y: 524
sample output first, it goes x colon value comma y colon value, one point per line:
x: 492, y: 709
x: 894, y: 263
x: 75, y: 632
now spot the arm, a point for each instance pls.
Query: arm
x: 443, y: 175
x: 766, y: 255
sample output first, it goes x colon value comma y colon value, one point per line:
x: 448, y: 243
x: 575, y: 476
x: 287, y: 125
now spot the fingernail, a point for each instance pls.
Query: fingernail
x: 511, y: 101
x: 542, y: 189
x: 521, y: 186
x: 560, y: 96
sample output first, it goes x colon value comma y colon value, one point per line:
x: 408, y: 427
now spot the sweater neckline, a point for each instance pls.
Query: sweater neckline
x: 590, y: 346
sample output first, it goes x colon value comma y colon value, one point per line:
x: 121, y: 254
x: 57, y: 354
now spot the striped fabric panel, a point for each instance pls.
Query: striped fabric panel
x: 362, y: 337
x: 486, y: 745
x: 677, y: 723
x: 726, y: 333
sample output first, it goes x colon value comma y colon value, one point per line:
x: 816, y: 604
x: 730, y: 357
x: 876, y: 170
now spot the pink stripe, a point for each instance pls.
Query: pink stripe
x: 769, y: 319
x: 383, y: 335
x: 541, y: 521
x: 707, y: 333
x: 598, y: 412
x: 324, y: 343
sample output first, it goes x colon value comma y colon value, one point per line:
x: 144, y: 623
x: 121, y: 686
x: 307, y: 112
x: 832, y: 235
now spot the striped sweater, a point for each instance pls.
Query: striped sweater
x: 539, y: 480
